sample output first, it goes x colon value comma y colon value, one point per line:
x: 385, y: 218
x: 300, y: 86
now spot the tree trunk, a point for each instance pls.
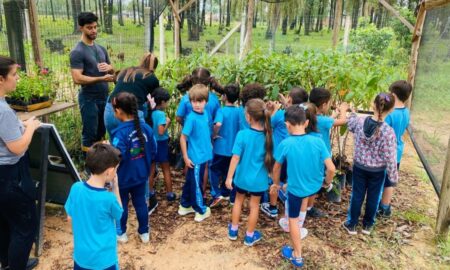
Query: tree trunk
x: 15, y: 31
x: 107, y: 15
x: 68, y: 9
x: 284, y: 25
x: 300, y: 23
x: 138, y: 12
x: 337, y: 23
x: 255, y: 19
x: 52, y: 10
x: 192, y: 23
x: 76, y: 9
x: 210, y: 13
x: 142, y: 11
x: 379, y: 16
x: 220, y: 16
x: 204, y: 15
x: 100, y: 8
x: 355, y: 14
x: 96, y: 7
x: 1, y: 19
x: 308, y: 12
x: 331, y: 16
x: 293, y: 23
x: 228, y: 13
x: 275, y: 22
x: 134, y: 12
x: 249, y: 30
x: 120, y: 15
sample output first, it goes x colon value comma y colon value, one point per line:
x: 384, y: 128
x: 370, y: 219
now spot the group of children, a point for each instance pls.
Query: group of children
x: 245, y: 148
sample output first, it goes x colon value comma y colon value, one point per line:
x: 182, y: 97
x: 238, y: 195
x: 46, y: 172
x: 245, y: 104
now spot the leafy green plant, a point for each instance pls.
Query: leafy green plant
x: 369, y: 38
x: 33, y: 87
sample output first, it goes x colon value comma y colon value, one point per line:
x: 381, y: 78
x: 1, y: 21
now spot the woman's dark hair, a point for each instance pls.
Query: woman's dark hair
x: 402, y: 89
x: 383, y: 102
x: 159, y: 95
x: 295, y: 114
x: 251, y: 91
x: 319, y: 96
x: 6, y: 64
x: 231, y: 91
x: 149, y: 62
x: 200, y: 76
x: 298, y: 95
x: 127, y: 102
x: 311, y: 115
x: 86, y: 18
x: 101, y: 157
x: 256, y: 109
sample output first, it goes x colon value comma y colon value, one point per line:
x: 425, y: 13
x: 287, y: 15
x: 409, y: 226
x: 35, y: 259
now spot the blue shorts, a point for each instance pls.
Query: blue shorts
x: 162, y: 153
x: 245, y: 192
x: 387, y: 182
x: 77, y: 267
x: 283, y: 173
x: 294, y: 204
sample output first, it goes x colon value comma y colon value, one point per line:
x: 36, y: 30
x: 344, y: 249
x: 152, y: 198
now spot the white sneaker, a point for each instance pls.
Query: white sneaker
x: 182, y: 211
x: 303, y: 233
x: 199, y: 217
x: 123, y: 238
x: 284, y: 224
x: 145, y: 237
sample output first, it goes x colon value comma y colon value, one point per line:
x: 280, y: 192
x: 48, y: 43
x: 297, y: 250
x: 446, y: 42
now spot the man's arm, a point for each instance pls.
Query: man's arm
x: 79, y: 78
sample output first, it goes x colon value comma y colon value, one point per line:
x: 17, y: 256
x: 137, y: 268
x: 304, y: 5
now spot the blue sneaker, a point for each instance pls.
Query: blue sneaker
x: 171, y: 196
x: 250, y: 241
x: 269, y: 211
x: 287, y: 253
x: 232, y: 234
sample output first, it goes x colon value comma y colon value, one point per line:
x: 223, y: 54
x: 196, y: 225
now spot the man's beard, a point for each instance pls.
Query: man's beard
x: 92, y: 37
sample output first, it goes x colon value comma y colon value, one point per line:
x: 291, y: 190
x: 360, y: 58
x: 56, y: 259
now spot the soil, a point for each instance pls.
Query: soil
x: 403, y: 242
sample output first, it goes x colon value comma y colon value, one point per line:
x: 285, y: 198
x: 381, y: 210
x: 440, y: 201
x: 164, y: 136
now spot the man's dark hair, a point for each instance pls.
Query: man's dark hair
x: 101, y: 157
x: 402, y: 89
x: 319, y: 96
x: 231, y: 91
x: 86, y: 18
x: 298, y: 95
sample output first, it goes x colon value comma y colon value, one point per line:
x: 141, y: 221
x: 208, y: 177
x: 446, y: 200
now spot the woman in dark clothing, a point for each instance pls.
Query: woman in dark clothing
x: 139, y: 81
x: 18, y: 220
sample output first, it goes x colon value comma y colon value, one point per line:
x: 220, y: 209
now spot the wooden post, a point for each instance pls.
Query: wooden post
x: 337, y: 23
x: 35, y: 35
x: 175, y: 4
x: 148, y: 25
x: 161, y: 39
x: 242, y: 35
x: 397, y: 14
x: 229, y: 34
x: 443, y: 218
x: 249, y: 27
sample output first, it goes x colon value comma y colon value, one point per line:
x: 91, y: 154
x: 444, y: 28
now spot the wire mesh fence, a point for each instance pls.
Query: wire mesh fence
x: 431, y: 95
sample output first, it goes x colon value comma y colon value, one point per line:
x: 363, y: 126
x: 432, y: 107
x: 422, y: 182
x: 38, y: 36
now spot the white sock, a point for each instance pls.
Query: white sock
x: 309, y: 208
x: 301, y: 219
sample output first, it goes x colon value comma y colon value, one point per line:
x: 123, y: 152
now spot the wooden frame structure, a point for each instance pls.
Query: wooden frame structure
x: 443, y: 218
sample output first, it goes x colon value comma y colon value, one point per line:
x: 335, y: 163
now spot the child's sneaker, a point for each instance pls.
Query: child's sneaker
x: 350, y: 229
x: 367, y: 230
x: 288, y: 253
x: 384, y: 212
x: 282, y: 195
x: 268, y: 210
x: 200, y: 217
x: 284, y: 224
x: 215, y: 202
x: 152, y: 204
x: 171, y: 196
x: 123, y: 238
x: 182, y: 211
x: 232, y: 234
x: 145, y: 237
x: 314, y: 213
x: 250, y: 241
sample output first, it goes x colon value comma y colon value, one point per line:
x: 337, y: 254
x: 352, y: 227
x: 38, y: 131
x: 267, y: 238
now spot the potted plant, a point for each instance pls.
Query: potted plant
x: 34, y: 91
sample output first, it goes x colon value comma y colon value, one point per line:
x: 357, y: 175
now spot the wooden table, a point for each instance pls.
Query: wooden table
x: 44, y: 113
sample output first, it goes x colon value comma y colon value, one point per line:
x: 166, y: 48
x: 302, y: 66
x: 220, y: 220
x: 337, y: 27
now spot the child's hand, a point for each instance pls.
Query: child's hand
x: 167, y: 121
x: 189, y: 162
x: 151, y: 101
x: 228, y: 183
x: 274, y: 189
x: 283, y: 99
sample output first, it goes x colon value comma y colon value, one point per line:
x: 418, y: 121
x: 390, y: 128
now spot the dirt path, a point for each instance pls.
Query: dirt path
x: 403, y: 242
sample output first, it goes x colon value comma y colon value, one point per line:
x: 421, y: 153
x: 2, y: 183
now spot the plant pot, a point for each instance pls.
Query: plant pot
x: 349, y: 178
x: 334, y: 195
x: 341, y: 180
x: 36, y: 103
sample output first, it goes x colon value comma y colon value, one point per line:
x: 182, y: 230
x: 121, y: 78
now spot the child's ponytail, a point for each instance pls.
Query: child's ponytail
x: 384, y: 102
x: 137, y: 125
x: 268, y: 159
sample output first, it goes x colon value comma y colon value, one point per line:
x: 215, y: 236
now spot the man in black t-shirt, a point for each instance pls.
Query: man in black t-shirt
x: 91, y: 68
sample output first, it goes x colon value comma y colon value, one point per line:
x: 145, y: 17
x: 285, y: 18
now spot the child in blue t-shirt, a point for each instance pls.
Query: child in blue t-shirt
x: 297, y: 95
x: 399, y: 121
x: 306, y: 156
x: 134, y: 138
x: 321, y: 97
x: 93, y: 211
x: 250, y: 91
x: 250, y: 165
x: 196, y: 156
x: 160, y: 123
x: 226, y: 127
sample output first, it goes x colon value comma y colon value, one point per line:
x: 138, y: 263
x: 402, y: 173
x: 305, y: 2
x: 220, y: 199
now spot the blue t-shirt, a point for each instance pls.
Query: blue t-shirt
x: 93, y: 212
x: 228, y: 116
x: 324, y: 125
x: 211, y: 107
x: 279, y: 128
x: 305, y: 156
x: 197, y: 129
x: 158, y: 119
x: 251, y: 174
x: 243, y: 124
x: 399, y: 121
